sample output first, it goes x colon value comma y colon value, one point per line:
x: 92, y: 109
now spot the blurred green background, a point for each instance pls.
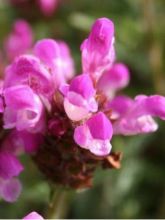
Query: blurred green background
x: 137, y: 190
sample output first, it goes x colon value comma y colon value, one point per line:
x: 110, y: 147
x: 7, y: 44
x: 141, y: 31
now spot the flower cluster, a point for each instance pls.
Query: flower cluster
x: 67, y: 121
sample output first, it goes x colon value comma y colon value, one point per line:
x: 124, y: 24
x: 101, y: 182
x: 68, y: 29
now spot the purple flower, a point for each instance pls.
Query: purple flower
x: 18, y: 142
x: 135, y: 116
x: 79, y: 97
x: 23, y: 110
x: 28, y: 70
x: 10, y: 189
x: 56, y: 56
x: 33, y: 216
x: 95, y: 134
x: 10, y: 167
x: 98, y: 51
x: 116, y: 78
x: 1, y: 97
x: 48, y: 6
x: 19, y: 40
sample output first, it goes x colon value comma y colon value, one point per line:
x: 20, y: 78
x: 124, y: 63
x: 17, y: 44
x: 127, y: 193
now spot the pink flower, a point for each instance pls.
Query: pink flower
x: 1, y: 97
x: 48, y: 6
x: 116, y: 78
x: 23, y: 110
x: 33, y: 216
x: 28, y: 70
x: 56, y: 56
x: 135, y: 116
x: 10, y: 189
x: 10, y: 167
x: 18, y: 142
x: 95, y: 134
x: 79, y: 97
x: 98, y: 52
x: 19, y: 40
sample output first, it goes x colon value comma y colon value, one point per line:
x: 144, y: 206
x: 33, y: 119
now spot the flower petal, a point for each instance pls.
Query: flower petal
x: 117, y: 77
x: 100, y: 126
x: 23, y: 108
x: 10, y: 189
x: 9, y: 165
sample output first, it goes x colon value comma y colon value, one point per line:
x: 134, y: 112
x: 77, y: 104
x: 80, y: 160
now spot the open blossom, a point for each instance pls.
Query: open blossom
x: 28, y: 70
x: 79, y: 97
x: 57, y: 57
x: 135, y: 116
x: 23, y: 109
x: 95, y: 134
x: 19, y: 40
x: 98, y: 52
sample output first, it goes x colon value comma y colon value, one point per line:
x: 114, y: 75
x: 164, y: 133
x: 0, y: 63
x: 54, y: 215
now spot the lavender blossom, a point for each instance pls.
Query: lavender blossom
x: 79, y: 97
x: 56, y: 56
x: 95, y: 135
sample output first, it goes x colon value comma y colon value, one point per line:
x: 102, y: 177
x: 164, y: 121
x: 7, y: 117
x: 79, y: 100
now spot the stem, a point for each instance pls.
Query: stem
x: 58, y: 206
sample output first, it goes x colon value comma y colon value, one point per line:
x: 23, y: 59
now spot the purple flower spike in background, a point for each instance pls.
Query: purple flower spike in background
x: 19, y: 40
x: 10, y: 168
x: 48, y: 6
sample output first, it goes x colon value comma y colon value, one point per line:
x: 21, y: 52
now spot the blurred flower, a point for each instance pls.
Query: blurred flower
x: 10, y: 168
x: 19, y: 40
x: 48, y: 6
x: 114, y: 79
x: 33, y: 215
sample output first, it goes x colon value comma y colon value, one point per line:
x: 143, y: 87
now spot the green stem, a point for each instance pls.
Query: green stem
x: 58, y: 206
